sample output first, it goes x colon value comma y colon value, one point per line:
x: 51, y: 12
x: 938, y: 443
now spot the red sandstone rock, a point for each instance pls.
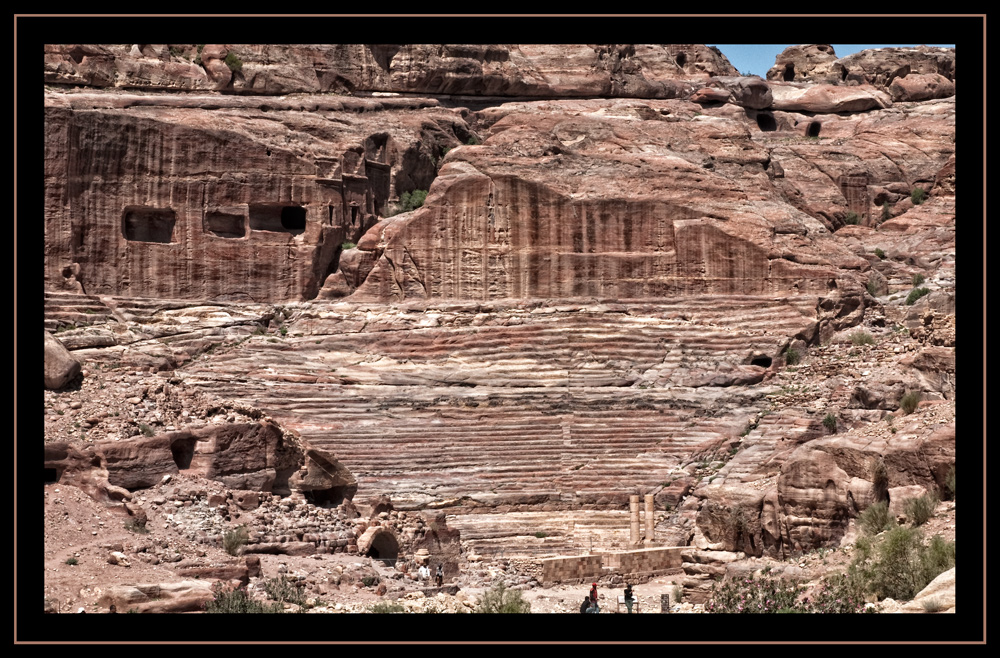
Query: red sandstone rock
x: 810, y: 62
x: 60, y: 367
x: 917, y: 87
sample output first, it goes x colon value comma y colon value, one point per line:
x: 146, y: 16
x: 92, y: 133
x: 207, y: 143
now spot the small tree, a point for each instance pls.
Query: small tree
x: 501, y: 600
x: 792, y: 356
x: 228, y: 600
x: 919, y: 510
x: 234, y: 540
x: 876, y: 518
x: 234, y: 63
x: 908, y: 403
x: 830, y: 422
x: 918, y: 195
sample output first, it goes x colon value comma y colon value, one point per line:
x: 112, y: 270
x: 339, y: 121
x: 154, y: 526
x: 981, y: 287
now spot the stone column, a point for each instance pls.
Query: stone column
x: 650, y: 521
x: 633, y: 513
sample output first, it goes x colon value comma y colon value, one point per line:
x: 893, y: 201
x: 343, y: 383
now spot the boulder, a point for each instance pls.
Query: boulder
x: 179, y: 596
x: 917, y: 87
x: 60, y: 366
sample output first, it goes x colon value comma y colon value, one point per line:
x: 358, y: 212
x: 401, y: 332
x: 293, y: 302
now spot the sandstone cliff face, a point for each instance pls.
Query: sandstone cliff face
x: 601, y: 291
x: 652, y: 71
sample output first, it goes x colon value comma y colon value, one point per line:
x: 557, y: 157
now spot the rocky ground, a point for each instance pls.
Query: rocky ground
x: 90, y: 547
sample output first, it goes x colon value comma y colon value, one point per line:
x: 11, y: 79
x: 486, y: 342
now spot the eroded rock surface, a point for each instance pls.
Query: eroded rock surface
x: 666, y: 277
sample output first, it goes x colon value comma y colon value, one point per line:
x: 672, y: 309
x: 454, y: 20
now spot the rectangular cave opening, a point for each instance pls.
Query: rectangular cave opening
x: 225, y: 225
x: 182, y: 451
x: 278, y: 218
x: 145, y: 224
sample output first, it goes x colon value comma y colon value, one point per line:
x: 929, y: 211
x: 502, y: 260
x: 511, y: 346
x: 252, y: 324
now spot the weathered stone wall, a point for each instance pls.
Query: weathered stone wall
x: 638, y: 563
x: 578, y: 569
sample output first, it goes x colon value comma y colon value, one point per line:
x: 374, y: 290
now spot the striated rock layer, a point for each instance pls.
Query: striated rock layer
x: 597, y: 296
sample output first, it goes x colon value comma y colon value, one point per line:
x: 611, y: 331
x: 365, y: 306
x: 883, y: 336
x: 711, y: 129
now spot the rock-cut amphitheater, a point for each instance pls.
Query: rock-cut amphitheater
x: 570, y: 312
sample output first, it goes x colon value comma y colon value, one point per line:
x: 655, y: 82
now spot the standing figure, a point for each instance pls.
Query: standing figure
x: 593, y: 598
x: 629, y: 599
x: 439, y: 576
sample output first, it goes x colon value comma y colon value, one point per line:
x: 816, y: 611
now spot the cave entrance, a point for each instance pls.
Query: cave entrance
x: 762, y: 361
x: 143, y: 224
x: 681, y: 59
x: 225, y: 225
x: 766, y: 122
x: 813, y: 129
x: 789, y: 74
x: 51, y: 475
x: 182, y: 450
x: 278, y: 218
x: 331, y: 497
x: 385, y: 548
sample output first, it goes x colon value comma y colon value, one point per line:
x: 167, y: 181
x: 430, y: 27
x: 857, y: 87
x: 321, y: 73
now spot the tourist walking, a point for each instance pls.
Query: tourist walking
x: 629, y: 599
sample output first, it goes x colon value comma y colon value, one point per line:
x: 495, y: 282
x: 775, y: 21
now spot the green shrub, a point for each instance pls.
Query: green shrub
x: 908, y: 403
x: 852, y: 218
x: 915, y: 294
x: 918, y: 278
x: 872, y: 287
x: 879, y: 253
x: 877, y: 518
x: 472, y: 141
x: 830, y: 422
x: 792, y: 356
x: 932, y: 605
x: 234, y: 63
x: 386, y: 608
x: 862, y: 338
x: 72, y: 561
x: 886, y: 211
x: 412, y: 200
x: 541, y: 535
x: 919, y: 510
x: 146, y: 429
x: 501, y: 600
x: 753, y: 594
x: 899, y: 565
x: 838, y: 594
x: 368, y: 581
x: 348, y: 245
x: 918, y: 195
x: 234, y: 540
x: 283, y: 590
x: 227, y: 600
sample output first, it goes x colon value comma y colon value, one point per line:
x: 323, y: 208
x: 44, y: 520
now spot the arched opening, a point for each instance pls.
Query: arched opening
x: 766, y: 122
x: 51, y: 475
x: 384, y: 547
x: 681, y: 59
x: 813, y: 129
x: 762, y: 361
x: 789, y: 72
x: 182, y: 450
x: 843, y: 73
x: 331, y: 497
